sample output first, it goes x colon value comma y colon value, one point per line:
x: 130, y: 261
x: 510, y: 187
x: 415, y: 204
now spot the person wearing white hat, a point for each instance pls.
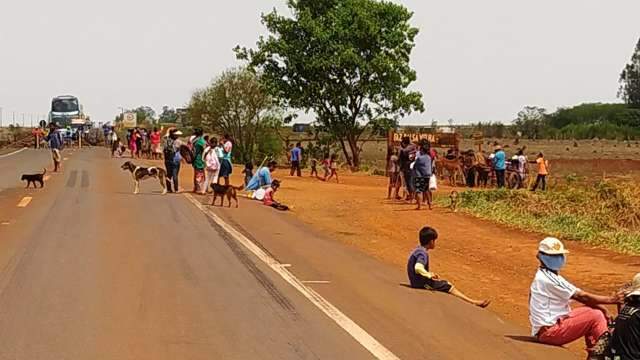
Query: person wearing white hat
x: 625, y: 343
x: 552, y: 320
x: 172, y: 158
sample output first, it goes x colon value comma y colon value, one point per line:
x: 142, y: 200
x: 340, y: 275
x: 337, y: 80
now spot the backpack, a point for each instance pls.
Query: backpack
x: 169, y: 151
x: 211, y: 159
x: 186, y: 154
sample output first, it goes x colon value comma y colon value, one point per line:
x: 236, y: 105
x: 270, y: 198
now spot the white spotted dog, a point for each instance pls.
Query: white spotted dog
x: 140, y: 173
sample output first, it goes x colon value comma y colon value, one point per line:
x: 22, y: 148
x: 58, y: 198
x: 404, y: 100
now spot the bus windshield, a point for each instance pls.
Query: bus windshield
x: 65, y: 105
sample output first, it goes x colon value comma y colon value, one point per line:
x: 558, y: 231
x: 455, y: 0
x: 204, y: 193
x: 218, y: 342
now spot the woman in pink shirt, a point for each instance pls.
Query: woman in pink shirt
x: 156, y: 149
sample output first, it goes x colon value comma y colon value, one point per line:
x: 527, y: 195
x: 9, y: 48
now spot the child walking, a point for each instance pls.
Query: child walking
x: 333, y: 168
x: 314, y: 170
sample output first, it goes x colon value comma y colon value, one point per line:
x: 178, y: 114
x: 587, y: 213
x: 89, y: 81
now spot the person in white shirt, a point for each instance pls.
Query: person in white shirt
x: 552, y: 320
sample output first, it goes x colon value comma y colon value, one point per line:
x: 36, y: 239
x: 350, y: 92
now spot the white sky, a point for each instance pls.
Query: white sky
x: 476, y: 60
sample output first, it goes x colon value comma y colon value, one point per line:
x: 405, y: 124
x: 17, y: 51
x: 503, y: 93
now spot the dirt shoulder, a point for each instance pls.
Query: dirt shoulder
x: 482, y: 258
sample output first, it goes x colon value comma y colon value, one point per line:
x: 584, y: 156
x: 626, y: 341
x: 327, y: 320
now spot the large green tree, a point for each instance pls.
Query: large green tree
x: 630, y: 80
x: 168, y: 115
x: 236, y: 104
x: 347, y: 61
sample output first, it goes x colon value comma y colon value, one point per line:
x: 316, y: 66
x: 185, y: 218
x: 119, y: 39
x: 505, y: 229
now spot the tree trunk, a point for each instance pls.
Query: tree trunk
x: 346, y: 153
x: 355, y: 152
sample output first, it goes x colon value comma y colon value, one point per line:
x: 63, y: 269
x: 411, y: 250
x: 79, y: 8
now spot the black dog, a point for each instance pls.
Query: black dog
x: 229, y: 191
x: 140, y: 173
x: 34, y: 178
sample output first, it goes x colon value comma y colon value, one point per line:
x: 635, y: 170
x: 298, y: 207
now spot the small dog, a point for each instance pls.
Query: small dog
x: 34, y: 178
x: 228, y: 191
x: 140, y: 173
x: 455, y: 200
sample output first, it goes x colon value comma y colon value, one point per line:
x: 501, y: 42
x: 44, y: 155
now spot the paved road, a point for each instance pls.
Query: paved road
x: 90, y: 271
x: 27, y: 161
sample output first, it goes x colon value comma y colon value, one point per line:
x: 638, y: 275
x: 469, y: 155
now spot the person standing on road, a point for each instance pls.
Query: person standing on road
x: 422, y: 171
x: 421, y: 278
x: 226, y: 167
x: 543, y: 171
x: 500, y: 165
x: 553, y: 322
x: 394, y: 175
x: 156, y: 151
x: 523, y: 168
x: 212, y: 164
x: 405, y: 158
x: 296, y: 158
x: 55, y: 144
x: 198, y: 163
x: 172, y: 159
x: 625, y: 342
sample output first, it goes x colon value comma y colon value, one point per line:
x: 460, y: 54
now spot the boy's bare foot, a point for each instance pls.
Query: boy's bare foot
x: 483, y: 304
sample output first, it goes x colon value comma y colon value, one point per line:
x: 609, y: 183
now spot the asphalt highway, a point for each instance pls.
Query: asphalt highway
x: 90, y: 271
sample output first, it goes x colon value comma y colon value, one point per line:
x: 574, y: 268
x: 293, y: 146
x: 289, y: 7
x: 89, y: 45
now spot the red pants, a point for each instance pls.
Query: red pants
x: 583, y: 321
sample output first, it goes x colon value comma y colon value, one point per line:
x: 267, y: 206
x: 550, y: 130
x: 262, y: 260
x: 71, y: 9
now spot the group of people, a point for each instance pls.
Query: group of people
x: 412, y: 166
x: 553, y: 321
x: 329, y: 164
x: 519, y: 164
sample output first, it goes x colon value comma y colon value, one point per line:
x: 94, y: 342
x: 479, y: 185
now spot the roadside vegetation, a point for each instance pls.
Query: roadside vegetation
x: 604, y: 214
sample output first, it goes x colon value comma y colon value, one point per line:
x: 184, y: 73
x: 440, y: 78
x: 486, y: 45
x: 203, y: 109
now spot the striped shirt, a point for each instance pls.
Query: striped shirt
x: 549, y: 298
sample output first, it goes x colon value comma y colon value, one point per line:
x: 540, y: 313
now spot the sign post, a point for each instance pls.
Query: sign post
x: 129, y: 120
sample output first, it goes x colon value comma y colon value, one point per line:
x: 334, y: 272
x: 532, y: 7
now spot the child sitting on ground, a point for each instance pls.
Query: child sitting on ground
x: 421, y: 278
x: 268, y: 197
x: 248, y: 173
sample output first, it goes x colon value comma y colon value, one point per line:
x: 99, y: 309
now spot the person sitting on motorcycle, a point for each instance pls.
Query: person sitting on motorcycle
x: 553, y: 322
x: 625, y: 342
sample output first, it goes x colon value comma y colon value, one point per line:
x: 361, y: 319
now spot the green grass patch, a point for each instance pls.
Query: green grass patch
x: 604, y: 214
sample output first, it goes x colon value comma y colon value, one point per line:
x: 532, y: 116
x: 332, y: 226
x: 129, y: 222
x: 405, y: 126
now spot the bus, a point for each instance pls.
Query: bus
x: 65, y: 109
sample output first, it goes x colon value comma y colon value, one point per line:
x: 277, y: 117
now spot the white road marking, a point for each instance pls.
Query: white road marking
x: 13, y: 153
x: 316, y: 282
x: 47, y: 177
x: 5, y: 223
x: 25, y: 201
x: 359, y: 334
x: 65, y: 159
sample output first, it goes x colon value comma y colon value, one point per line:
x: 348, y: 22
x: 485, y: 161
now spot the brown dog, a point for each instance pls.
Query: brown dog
x: 228, y: 191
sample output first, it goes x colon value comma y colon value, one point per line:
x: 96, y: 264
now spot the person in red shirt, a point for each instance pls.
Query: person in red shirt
x: 156, y: 149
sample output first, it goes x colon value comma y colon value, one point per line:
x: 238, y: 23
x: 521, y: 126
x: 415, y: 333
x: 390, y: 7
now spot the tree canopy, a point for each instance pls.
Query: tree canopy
x: 235, y: 104
x: 347, y: 61
x: 630, y: 80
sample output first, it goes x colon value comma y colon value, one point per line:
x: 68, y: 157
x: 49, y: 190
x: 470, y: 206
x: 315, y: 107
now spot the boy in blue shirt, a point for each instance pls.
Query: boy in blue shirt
x: 421, y: 278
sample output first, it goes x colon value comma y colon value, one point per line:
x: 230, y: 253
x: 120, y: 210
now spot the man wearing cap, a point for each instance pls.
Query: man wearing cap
x: 172, y: 158
x: 625, y: 343
x: 552, y: 320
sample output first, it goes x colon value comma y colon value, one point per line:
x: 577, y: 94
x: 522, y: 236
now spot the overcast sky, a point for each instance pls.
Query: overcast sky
x: 476, y: 60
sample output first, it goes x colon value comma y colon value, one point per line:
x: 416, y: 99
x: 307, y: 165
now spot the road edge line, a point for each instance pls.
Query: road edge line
x: 357, y: 333
x: 13, y: 153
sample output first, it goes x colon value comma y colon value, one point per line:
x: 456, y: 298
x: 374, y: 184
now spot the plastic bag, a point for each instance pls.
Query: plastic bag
x: 433, y: 183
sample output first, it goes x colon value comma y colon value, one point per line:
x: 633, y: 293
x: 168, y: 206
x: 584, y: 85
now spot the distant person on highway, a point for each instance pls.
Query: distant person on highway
x: 421, y: 278
x: 156, y: 149
x: 500, y: 165
x: 296, y: 158
x: 553, y: 322
x: 172, y: 159
x: 543, y: 171
x: 198, y: 164
x: 55, y: 144
x: 262, y: 178
x: 625, y: 343
x: 226, y: 167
